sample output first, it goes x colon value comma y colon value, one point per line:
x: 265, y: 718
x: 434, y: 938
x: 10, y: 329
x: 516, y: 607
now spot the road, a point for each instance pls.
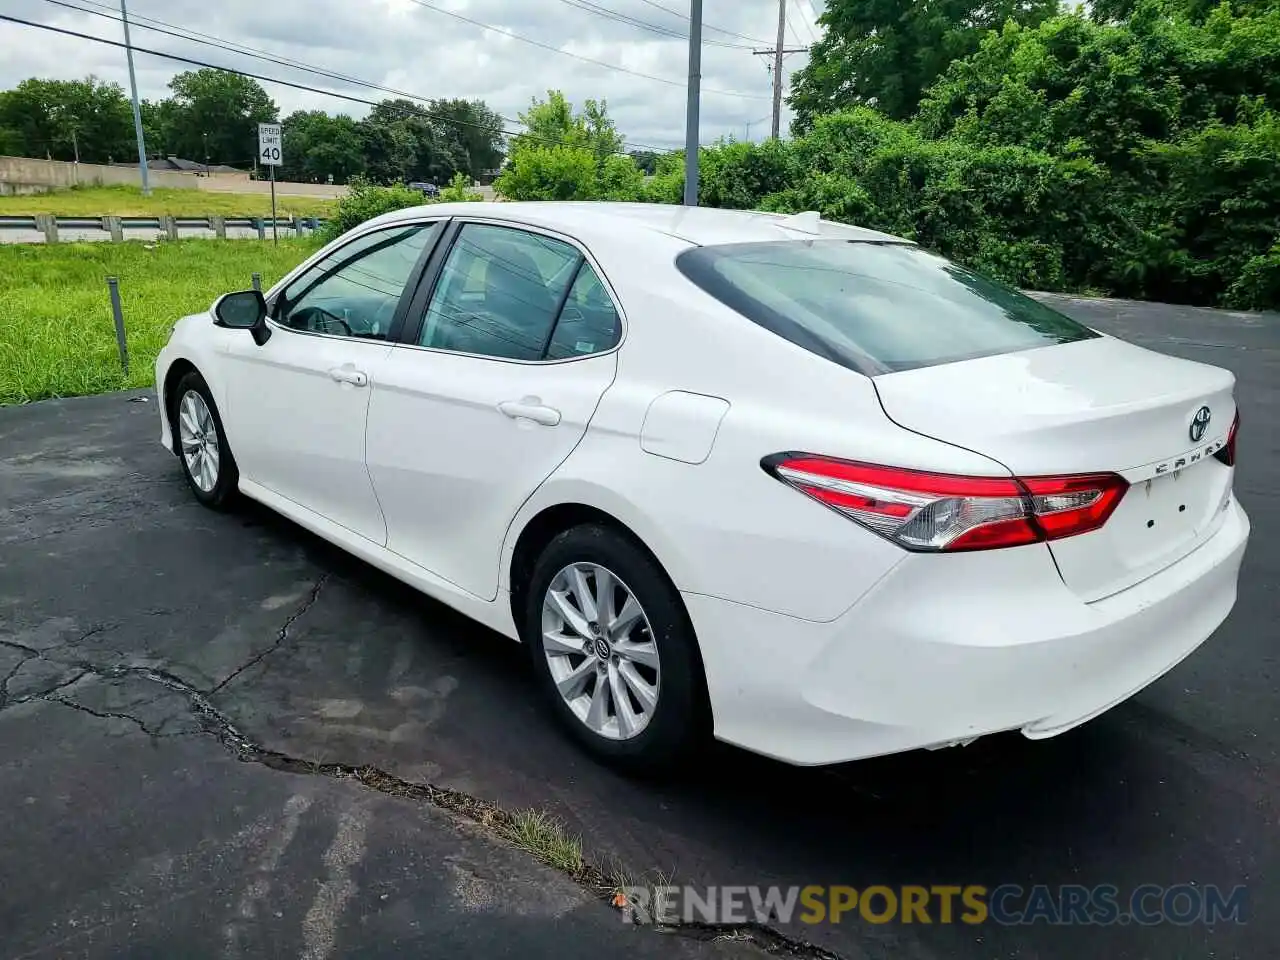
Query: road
x: 109, y: 567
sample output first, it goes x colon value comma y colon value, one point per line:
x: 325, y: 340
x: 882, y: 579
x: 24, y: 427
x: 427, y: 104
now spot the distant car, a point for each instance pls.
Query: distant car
x: 427, y: 189
x: 803, y: 486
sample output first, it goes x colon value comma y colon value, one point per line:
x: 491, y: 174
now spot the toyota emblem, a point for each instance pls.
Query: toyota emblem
x: 1200, y: 423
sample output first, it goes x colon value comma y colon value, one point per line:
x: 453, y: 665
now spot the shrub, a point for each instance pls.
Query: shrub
x: 459, y: 190
x: 1258, y: 286
x: 364, y: 201
x: 550, y: 173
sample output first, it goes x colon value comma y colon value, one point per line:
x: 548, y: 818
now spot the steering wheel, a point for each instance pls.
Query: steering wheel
x: 325, y: 317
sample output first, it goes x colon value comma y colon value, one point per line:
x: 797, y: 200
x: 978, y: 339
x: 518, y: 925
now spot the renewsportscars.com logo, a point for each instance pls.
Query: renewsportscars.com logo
x: 1008, y: 904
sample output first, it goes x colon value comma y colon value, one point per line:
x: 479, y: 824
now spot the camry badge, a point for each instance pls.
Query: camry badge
x: 1200, y: 423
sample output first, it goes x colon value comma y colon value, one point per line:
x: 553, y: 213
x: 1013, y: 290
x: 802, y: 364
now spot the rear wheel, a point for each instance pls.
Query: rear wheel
x: 614, y: 650
x: 206, y: 458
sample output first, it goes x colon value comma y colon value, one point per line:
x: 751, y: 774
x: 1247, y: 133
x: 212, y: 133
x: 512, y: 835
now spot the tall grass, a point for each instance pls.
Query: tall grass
x: 126, y: 201
x: 57, y: 338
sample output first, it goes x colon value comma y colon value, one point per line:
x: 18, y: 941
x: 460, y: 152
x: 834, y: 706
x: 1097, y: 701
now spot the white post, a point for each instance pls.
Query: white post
x: 275, y: 235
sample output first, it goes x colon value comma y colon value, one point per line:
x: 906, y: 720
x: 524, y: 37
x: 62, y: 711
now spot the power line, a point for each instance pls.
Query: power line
x: 232, y: 46
x: 813, y: 37
x: 705, y: 26
x: 289, y: 83
x: 575, y: 56
x: 608, y: 14
x: 794, y: 35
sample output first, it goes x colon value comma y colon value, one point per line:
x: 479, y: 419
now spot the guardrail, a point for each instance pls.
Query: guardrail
x: 49, y: 226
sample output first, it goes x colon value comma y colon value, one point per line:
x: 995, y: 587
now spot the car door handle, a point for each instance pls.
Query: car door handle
x: 530, y: 409
x: 349, y: 374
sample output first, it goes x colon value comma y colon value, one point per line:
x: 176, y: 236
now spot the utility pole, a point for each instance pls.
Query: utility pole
x: 777, y: 68
x: 137, y: 111
x: 778, y: 51
x: 691, y: 110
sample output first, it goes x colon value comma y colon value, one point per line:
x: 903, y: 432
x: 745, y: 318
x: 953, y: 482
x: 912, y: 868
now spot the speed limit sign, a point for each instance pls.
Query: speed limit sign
x: 269, y: 146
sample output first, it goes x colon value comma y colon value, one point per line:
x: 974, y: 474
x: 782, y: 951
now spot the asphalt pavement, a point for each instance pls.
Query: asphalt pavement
x: 156, y: 652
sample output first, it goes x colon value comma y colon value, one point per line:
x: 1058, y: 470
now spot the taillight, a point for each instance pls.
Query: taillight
x: 938, y: 511
x: 1228, y: 453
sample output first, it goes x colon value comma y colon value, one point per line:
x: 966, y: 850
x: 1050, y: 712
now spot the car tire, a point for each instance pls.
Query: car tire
x: 210, y: 468
x: 658, y: 654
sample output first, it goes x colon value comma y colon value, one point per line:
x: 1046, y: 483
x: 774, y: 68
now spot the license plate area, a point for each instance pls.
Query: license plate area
x: 1158, y: 521
x: 1159, y: 516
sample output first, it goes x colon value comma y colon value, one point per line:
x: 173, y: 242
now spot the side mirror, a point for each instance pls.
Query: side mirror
x: 245, y: 310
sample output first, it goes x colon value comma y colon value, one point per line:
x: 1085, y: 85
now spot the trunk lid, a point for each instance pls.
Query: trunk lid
x: 1096, y: 405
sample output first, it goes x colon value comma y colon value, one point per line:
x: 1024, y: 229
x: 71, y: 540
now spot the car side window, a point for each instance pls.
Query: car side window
x: 499, y: 293
x: 588, y: 321
x: 355, y: 290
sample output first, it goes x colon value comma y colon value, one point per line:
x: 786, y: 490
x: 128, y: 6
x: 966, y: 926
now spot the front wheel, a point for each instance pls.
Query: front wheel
x: 206, y: 458
x: 614, y: 650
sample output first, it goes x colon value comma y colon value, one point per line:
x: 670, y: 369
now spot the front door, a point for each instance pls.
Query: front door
x: 299, y: 402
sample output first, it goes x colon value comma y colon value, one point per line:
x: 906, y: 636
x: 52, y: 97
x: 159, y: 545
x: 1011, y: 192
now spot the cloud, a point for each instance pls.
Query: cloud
x: 405, y: 45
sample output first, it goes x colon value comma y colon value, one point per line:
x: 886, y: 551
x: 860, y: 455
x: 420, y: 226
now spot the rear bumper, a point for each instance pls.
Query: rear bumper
x: 946, y: 648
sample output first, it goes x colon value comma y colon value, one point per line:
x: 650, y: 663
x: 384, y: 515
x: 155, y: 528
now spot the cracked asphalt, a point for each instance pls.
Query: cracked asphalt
x: 187, y: 698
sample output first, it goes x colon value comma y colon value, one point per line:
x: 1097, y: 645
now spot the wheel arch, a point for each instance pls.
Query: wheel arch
x: 550, y: 519
x: 178, y: 369
x: 553, y: 519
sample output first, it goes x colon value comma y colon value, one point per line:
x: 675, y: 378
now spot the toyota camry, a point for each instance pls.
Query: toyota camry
x: 804, y: 487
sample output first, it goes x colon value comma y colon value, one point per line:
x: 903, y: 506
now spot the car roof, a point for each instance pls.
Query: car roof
x: 700, y: 226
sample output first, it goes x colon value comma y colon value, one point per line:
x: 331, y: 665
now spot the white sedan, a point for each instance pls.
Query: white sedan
x: 802, y: 486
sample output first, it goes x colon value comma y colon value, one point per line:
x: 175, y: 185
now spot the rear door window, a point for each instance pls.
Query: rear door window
x: 499, y: 293
x: 874, y: 307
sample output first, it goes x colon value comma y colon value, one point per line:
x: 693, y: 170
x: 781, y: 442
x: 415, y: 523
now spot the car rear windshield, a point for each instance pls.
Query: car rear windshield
x: 874, y: 307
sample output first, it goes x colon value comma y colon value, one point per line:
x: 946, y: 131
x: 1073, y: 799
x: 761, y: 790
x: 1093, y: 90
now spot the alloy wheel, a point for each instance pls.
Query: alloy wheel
x: 198, y: 436
x: 600, y: 650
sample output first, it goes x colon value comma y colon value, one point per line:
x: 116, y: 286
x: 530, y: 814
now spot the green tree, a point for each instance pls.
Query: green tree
x: 64, y: 119
x: 215, y: 114
x: 318, y: 146
x: 1074, y: 87
x: 646, y: 160
x: 568, y: 155
x: 156, y: 122
x: 553, y: 121
x: 406, y: 143
x: 388, y: 152
x: 474, y: 129
x: 1115, y: 11
x: 885, y: 53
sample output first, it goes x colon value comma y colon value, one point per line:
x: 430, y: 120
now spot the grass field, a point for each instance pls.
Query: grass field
x: 121, y: 201
x: 57, y: 338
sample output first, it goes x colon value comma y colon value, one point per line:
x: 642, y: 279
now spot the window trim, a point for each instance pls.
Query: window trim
x: 440, y: 227
x: 564, y: 299
x: 430, y: 279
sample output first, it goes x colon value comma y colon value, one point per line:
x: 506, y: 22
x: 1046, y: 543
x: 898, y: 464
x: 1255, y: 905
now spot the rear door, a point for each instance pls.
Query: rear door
x: 513, y: 346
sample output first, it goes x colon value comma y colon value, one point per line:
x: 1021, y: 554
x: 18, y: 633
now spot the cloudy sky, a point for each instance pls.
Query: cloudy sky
x: 406, y: 45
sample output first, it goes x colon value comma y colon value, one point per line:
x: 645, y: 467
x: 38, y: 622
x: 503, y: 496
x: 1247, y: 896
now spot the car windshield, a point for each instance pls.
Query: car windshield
x: 874, y: 307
